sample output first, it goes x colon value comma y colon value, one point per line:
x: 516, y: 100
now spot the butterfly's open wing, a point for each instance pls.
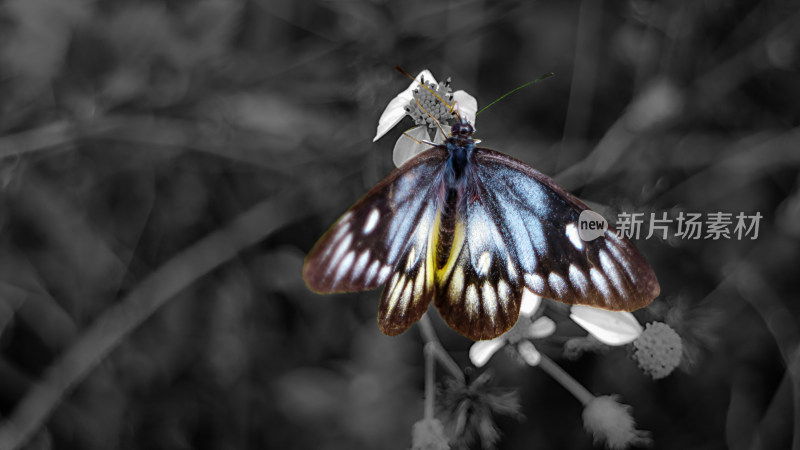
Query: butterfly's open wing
x: 387, y: 235
x: 607, y: 272
x: 517, y: 229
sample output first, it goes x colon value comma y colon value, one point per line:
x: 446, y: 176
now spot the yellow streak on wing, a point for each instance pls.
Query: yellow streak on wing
x: 430, y: 253
x: 455, y: 250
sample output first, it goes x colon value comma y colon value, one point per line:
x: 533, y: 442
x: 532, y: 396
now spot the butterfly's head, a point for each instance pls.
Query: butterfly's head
x: 462, y: 128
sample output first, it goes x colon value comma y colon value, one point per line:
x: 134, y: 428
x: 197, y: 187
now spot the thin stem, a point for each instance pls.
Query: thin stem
x: 566, y: 380
x: 430, y: 379
x: 430, y: 338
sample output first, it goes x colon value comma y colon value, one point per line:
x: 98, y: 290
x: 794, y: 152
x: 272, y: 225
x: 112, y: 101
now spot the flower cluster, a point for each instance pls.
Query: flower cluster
x: 431, y: 116
x: 658, y: 350
x: 611, y: 422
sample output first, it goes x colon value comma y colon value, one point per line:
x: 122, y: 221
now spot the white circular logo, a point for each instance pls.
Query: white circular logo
x: 591, y: 225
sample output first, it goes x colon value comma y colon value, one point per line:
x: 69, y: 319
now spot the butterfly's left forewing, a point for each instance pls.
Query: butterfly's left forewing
x: 386, y: 237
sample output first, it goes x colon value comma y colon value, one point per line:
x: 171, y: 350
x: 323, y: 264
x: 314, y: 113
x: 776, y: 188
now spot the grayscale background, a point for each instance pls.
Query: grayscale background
x: 165, y: 165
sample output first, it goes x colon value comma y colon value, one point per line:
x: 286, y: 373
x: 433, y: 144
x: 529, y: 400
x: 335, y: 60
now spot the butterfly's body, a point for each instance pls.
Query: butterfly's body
x: 470, y: 228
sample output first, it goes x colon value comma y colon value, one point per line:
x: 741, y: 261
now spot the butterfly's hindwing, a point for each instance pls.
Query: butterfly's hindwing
x: 410, y: 288
x: 383, y: 238
x: 479, y: 288
x: 555, y: 262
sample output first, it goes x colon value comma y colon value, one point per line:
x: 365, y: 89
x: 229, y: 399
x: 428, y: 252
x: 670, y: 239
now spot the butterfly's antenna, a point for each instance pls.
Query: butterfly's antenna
x: 543, y: 77
x: 412, y: 138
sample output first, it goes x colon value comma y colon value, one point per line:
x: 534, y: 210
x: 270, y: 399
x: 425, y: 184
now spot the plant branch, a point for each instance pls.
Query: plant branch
x: 432, y: 341
x: 566, y: 380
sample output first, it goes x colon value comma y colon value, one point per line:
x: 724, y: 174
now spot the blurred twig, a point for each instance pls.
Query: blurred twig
x: 115, y: 324
x: 584, y: 72
x: 750, y: 163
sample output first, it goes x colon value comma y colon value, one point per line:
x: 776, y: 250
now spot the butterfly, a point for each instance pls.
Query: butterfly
x: 470, y: 229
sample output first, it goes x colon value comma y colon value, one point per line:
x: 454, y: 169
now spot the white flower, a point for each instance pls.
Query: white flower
x: 429, y: 114
x: 611, y: 422
x: 658, y: 350
x: 609, y: 327
x: 524, y: 329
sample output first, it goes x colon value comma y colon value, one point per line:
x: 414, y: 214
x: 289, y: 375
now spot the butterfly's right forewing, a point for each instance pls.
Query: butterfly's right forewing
x: 541, y: 221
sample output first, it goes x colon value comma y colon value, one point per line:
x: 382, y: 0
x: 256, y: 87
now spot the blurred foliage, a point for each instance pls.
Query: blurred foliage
x: 129, y: 130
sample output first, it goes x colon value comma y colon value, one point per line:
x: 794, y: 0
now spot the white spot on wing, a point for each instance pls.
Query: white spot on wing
x: 406, y: 298
x: 341, y: 249
x: 489, y: 301
x: 457, y: 284
x: 574, y: 237
x: 611, y: 270
x: 472, y: 301
x: 600, y: 281
x: 341, y: 229
x: 503, y: 293
x: 483, y: 263
x: 535, y: 282
x: 395, y: 295
x: 384, y: 273
x: 372, y: 220
x: 372, y: 272
x: 622, y: 260
x: 558, y: 284
x: 361, y: 264
x: 391, y: 285
x: 419, y: 285
x: 345, y: 265
x: 577, y: 277
x: 512, y: 272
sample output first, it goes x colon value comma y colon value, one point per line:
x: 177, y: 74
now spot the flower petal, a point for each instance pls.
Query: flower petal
x: 482, y: 351
x: 396, y: 109
x: 391, y: 116
x: 466, y: 106
x: 529, y: 354
x: 609, y: 327
x: 543, y: 327
x: 530, y: 303
x: 407, y: 147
